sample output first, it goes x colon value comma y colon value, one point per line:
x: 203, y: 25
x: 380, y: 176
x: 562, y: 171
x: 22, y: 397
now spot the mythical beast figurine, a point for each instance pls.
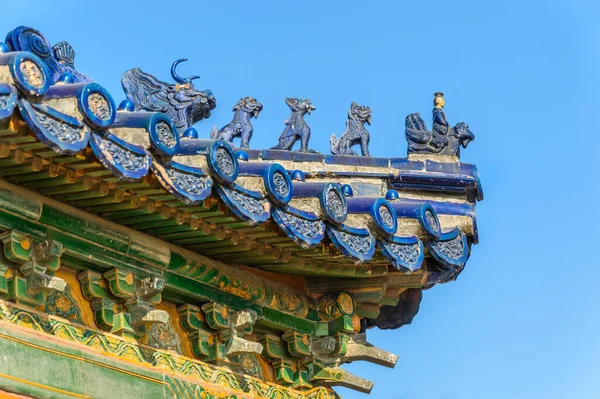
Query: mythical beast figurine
x: 181, y: 102
x: 355, y: 132
x: 295, y: 126
x: 240, y: 125
x: 443, y: 139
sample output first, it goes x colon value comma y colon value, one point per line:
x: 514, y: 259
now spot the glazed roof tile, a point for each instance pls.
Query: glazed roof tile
x: 63, y: 136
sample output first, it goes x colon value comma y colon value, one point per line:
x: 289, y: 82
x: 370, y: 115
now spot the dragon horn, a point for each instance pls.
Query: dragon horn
x: 178, y: 78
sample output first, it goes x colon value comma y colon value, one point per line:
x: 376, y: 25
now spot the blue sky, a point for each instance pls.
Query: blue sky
x: 522, y: 320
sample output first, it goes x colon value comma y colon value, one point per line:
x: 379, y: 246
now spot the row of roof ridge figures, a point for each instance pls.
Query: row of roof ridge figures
x: 186, y: 105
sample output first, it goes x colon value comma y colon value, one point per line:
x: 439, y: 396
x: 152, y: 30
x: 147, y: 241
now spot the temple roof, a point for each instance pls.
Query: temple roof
x: 369, y: 226
x: 288, y: 211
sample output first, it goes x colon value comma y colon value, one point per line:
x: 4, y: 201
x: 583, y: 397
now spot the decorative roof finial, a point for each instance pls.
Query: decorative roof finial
x: 296, y: 129
x: 64, y: 53
x: 355, y: 132
x: 178, y: 78
x: 443, y: 139
x: 240, y: 125
x: 181, y: 102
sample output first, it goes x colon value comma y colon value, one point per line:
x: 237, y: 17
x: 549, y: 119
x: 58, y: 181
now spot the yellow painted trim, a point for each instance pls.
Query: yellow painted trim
x: 85, y: 308
x: 42, y: 386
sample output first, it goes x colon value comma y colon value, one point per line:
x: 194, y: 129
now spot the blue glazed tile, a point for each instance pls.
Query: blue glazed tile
x: 444, y: 167
x: 62, y: 133
x: 405, y: 253
x: 451, y: 250
x: 354, y: 160
x: 358, y: 244
x: 188, y: 184
x: 292, y: 156
x: 245, y: 204
x: 405, y: 164
x: 304, y: 228
x: 8, y: 100
x: 252, y: 154
x: 126, y: 161
x: 161, y: 129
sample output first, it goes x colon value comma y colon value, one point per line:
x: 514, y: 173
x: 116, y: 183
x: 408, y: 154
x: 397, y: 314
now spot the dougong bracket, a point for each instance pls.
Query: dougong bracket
x: 232, y: 326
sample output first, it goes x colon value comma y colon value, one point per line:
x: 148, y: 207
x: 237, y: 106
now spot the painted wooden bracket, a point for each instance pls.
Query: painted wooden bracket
x: 14, y: 288
x: 121, y: 283
x: 40, y: 282
x: 150, y: 288
x: 284, y: 371
x: 292, y: 374
x: 339, y: 311
x: 217, y: 315
x: 95, y: 289
x: 357, y: 348
x: 201, y: 338
x: 34, y: 257
x: 232, y: 326
x: 122, y: 326
x: 142, y: 313
x: 298, y: 344
x: 21, y: 248
x: 3, y: 280
x: 274, y: 347
x: 336, y: 376
x: 103, y: 313
x: 18, y: 293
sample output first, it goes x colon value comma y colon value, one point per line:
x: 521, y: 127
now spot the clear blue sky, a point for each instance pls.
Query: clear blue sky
x: 522, y: 321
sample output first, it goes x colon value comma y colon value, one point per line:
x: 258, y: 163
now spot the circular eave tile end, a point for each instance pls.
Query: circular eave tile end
x: 333, y: 204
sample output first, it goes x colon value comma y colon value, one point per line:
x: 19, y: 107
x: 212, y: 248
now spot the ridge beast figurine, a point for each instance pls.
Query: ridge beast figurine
x: 355, y: 132
x: 442, y: 139
x: 295, y: 126
x: 240, y: 125
x: 60, y: 58
x: 181, y: 102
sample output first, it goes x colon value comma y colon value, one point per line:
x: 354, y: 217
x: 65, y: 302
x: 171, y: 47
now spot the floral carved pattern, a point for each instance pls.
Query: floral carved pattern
x: 386, y: 216
x: 359, y: 244
x: 187, y: 182
x: 281, y: 185
x: 250, y: 204
x: 432, y: 221
x: 308, y: 228
x: 407, y: 253
x: 164, y: 336
x: 62, y: 131
x: 453, y: 248
x: 165, y: 134
x: 123, y: 157
x: 99, y: 106
x: 335, y: 203
x: 248, y: 364
x: 224, y: 161
x: 63, y: 304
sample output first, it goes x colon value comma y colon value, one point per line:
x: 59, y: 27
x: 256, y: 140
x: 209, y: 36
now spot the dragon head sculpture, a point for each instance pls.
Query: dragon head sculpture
x: 181, y: 101
x: 463, y: 134
x: 248, y: 105
x: 360, y: 113
x: 300, y: 105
